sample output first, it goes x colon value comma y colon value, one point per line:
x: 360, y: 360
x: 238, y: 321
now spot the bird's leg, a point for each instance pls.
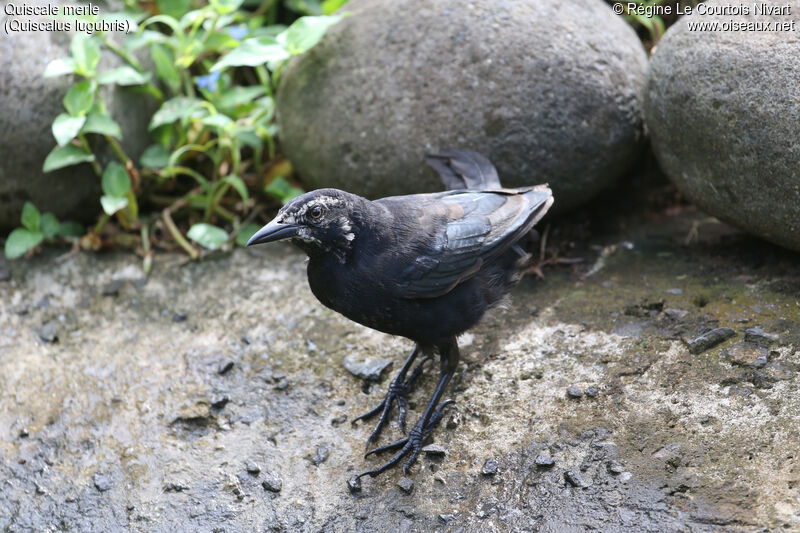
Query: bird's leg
x: 398, y: 391
x: 410, y: 446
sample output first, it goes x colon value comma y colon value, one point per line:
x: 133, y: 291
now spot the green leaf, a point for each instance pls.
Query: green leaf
x: 116, y: 181
x: 237, y: 183
x: 60, y: 67
x: 30, y: 217
x: 165, y: 66
x: 144, y: 38
x: 251, y: 53
x: 64, y: 156
x: 112, y: 204
x: 65, y: 128
x: 217, y: 120
x: 225, y: 6
x: 305, y: 32
x: 282, y: 190
x: 177, y: 108
x: 102, y: 125
x: 50, y: 225
x: 237, y: 96
x: 155, y: 156
x: 208, y: 236
x: 174, y: 8
x: 331, y: 6
x: 86, y: 53
x: 246, y: 136
x: 125, y: 76
x: 20, y: 241
x: 70, y: 229
x: 245, y: 232
x: 79, y: 98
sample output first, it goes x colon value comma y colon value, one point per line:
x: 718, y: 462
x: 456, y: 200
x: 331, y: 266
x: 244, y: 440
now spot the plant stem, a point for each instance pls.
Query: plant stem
x: 121, y: 53
x: 177, y: 235
x: 100, y: 223
x: 95, y: 165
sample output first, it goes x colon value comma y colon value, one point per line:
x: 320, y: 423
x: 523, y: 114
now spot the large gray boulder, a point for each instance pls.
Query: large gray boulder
x: 523, y: 82
x: 28, y: 105
x: 723, y: 112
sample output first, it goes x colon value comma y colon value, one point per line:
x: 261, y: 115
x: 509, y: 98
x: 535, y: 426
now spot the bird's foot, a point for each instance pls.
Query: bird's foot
x: 409, y: 446
x: 398, y: 391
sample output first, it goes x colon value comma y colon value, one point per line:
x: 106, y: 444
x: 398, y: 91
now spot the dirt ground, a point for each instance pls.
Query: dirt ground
x: 212, y: 396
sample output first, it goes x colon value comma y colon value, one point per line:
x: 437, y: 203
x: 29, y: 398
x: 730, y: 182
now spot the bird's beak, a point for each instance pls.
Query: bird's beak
x: 274, y: 231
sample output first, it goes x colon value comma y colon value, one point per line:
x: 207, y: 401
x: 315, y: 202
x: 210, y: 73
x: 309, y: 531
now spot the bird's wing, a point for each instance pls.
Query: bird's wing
x: 463, y: 169
x: 469, y: 229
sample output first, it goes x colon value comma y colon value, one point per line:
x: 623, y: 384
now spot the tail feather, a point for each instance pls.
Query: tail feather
x: 464, y: 169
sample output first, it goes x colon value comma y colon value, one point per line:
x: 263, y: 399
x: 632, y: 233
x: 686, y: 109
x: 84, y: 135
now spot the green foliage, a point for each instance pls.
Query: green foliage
x: 36, y: 227
x: 215, y: 72
x: 655, y: 25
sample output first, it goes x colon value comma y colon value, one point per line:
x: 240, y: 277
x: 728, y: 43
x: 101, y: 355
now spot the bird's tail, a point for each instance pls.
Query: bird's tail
x: 464, y: 169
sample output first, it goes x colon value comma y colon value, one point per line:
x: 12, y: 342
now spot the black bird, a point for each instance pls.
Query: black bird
x: 423, y: 266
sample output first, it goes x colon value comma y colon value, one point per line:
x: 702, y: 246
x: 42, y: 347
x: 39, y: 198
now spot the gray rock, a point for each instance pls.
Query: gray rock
x: 102, y: 482
x: 434, y: 450
x: 489, y: 467
x: 744, y: 353
x: 272, y: 482
x: 724, y: 125
x: 709, y: 339
x: 544, y: 461
x: 759, y: 336
x: 49, y: 331
x: 321, y: 455
x: 406, y: 484
x: 30, y: 103
x: 519, y: 81
x: 368, y: 369
x: 574, y: 391
x: 575, y: 479
x: 354, y: 484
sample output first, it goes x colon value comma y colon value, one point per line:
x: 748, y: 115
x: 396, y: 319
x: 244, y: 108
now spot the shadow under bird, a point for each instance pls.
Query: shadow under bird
x: 423, y: 266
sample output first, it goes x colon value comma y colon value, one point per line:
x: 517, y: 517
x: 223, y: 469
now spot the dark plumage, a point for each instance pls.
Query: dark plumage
x: 424, y: 266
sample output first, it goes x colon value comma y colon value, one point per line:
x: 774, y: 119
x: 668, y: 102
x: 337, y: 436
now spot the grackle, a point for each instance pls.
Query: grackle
x: 423, y: 266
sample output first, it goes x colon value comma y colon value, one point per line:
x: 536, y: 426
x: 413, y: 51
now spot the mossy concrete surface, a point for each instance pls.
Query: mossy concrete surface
x: 211, y: 396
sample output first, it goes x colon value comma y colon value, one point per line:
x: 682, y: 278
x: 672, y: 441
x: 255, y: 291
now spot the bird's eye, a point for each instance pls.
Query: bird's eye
x: 315, y: 212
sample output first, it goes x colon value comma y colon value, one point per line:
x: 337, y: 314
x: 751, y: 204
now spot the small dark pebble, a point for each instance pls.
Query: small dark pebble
x: 5, y: 275
x: 574, y: 479
x: 282, y: 384
x: 406, y: 484
x: 366, y: 369
x: 272, y: 482
x: 759, y: 336
x: 489, y: 467
x: 180, y: 317
x: 102, y: 482
x: 175, y: 486
x: 615, y: 468
x: 544, y: 461
x: 453, y: 420
x: 321, y: 454
x: 354, y: 484
x: 574, y: 392
x: 246, y: 340
x: 339, y: 420
x: 225, y: 367
x: 447, y: 518
x: 219, y: 402
x: 433, y: 450
x: 592, y: 391
x: 49, y: 332
x: 253, y: 468
x: 710, y: 339
x: 23, y: 433
x: 111, y: 288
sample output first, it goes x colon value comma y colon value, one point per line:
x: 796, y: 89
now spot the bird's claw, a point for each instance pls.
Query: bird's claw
x: 398, y: 391
x: 411, y: 445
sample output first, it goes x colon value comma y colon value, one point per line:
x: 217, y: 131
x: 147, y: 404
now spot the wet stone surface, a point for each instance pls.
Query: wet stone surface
x: 136, y: 421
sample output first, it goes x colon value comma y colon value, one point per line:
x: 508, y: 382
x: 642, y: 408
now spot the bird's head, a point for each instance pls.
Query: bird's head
x: 318, y: 220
